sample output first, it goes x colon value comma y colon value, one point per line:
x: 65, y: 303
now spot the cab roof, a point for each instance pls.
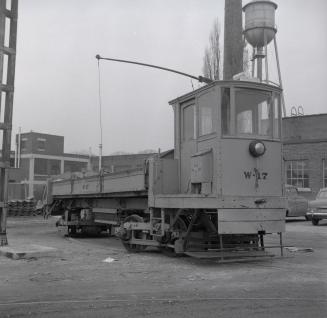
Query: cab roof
x: 244, y: 84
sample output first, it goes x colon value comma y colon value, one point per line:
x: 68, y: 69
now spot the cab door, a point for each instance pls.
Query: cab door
x: 188, y: 143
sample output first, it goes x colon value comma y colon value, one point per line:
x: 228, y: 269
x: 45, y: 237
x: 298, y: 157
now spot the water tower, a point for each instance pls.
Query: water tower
x: 259, y: 31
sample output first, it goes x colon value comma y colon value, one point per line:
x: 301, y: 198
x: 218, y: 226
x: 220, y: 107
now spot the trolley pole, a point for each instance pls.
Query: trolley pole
x: 8, y: 39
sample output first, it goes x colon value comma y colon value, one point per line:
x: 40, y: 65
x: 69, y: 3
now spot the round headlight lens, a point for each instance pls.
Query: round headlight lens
x: 257, y: 148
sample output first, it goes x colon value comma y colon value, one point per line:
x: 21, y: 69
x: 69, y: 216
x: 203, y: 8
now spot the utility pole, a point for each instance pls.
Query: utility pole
x: 233, y: 39
x: 8, y: 39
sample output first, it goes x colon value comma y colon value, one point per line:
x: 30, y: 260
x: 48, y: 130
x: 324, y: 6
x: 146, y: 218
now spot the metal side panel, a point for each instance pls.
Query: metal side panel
x: 61, y: 188
x: 133, y: 182
x: 251, y: 221
x: 86, y: 186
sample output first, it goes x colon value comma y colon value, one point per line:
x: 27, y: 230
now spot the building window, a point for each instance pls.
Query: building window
x: 297, y: 173
x: 46, y: 167
x: 41, y: 144
x: 54, y: 167
x: 23, y: 143
x: 324, y: 172
x: 74, y: 166
x: 41, y: 166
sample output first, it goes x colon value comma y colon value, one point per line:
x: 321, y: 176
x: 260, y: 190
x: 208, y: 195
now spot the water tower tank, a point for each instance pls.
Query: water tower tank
x: 260, y: 26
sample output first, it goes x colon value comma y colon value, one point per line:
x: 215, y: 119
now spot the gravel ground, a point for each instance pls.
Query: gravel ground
x: 76, y: 282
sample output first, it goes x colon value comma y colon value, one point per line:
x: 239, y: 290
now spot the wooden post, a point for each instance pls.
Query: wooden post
x: 6, y: 91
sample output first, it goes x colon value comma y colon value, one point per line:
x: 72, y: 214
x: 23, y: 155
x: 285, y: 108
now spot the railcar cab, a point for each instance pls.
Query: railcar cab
x: 227, y: 140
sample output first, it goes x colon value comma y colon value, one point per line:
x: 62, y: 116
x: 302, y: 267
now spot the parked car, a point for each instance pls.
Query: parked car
x: 318, y: 208
x: 296, y: 204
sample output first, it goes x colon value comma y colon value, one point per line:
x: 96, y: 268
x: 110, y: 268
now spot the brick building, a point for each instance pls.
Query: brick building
x: 305, y: 152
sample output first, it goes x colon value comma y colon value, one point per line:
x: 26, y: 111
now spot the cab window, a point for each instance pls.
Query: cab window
x: 189, y: 122
x: 206, y: 117
x: 225, y: 110
x: 276, y: 128
x: 253, y: 112
x: 207, y: 110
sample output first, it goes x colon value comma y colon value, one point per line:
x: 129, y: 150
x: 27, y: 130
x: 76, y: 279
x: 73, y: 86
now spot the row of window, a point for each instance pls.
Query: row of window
x: 47, y: 167
x: 297, y: 173
x: 256, y: 113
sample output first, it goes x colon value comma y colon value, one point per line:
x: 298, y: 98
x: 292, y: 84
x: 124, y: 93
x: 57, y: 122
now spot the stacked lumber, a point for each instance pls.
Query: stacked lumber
x: 22, y: 207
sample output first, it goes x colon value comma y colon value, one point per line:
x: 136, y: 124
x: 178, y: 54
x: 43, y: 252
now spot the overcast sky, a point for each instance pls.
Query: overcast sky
x: 57, y: 79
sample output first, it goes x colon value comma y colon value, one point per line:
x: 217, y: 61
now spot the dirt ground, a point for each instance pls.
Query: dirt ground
x: 74, y: 281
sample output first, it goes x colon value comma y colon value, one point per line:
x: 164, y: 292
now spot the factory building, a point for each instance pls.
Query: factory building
x: 305, y: 152
x: 40, y: 156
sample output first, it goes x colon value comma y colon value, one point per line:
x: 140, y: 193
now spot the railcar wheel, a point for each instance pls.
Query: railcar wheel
x: 180, y: 226
x: 128, y: 234
x: 315, y: 221
x: 72, y: 230
x: 91, y: 230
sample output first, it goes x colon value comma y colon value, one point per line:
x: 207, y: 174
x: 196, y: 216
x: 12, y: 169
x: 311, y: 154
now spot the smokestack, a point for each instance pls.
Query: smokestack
x: 233, y: 42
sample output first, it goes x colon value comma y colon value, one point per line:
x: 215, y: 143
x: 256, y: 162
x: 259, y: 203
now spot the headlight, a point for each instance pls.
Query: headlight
x: 257, y: 148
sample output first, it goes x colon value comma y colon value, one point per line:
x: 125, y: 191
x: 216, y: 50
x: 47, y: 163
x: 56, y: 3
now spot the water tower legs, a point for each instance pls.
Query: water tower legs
x: 279, y: 76
x: 259, y: 57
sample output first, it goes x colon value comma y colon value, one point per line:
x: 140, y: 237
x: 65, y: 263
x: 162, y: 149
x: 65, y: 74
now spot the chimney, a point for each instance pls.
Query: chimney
x: 233, y: 39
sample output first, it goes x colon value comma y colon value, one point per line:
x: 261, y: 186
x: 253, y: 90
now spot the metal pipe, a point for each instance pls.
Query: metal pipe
x: 281, y: 244
x: 100, y: 157
x: 253, y: 62
x: 16, y: 152
x: 259, y: 64
x: 266, y: 57
x: 19, y: 147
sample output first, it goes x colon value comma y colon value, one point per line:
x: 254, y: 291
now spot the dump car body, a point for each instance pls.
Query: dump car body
x: 127, y: 181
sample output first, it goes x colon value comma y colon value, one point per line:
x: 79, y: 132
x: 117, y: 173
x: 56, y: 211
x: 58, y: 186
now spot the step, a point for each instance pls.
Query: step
x: 229, y: 255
